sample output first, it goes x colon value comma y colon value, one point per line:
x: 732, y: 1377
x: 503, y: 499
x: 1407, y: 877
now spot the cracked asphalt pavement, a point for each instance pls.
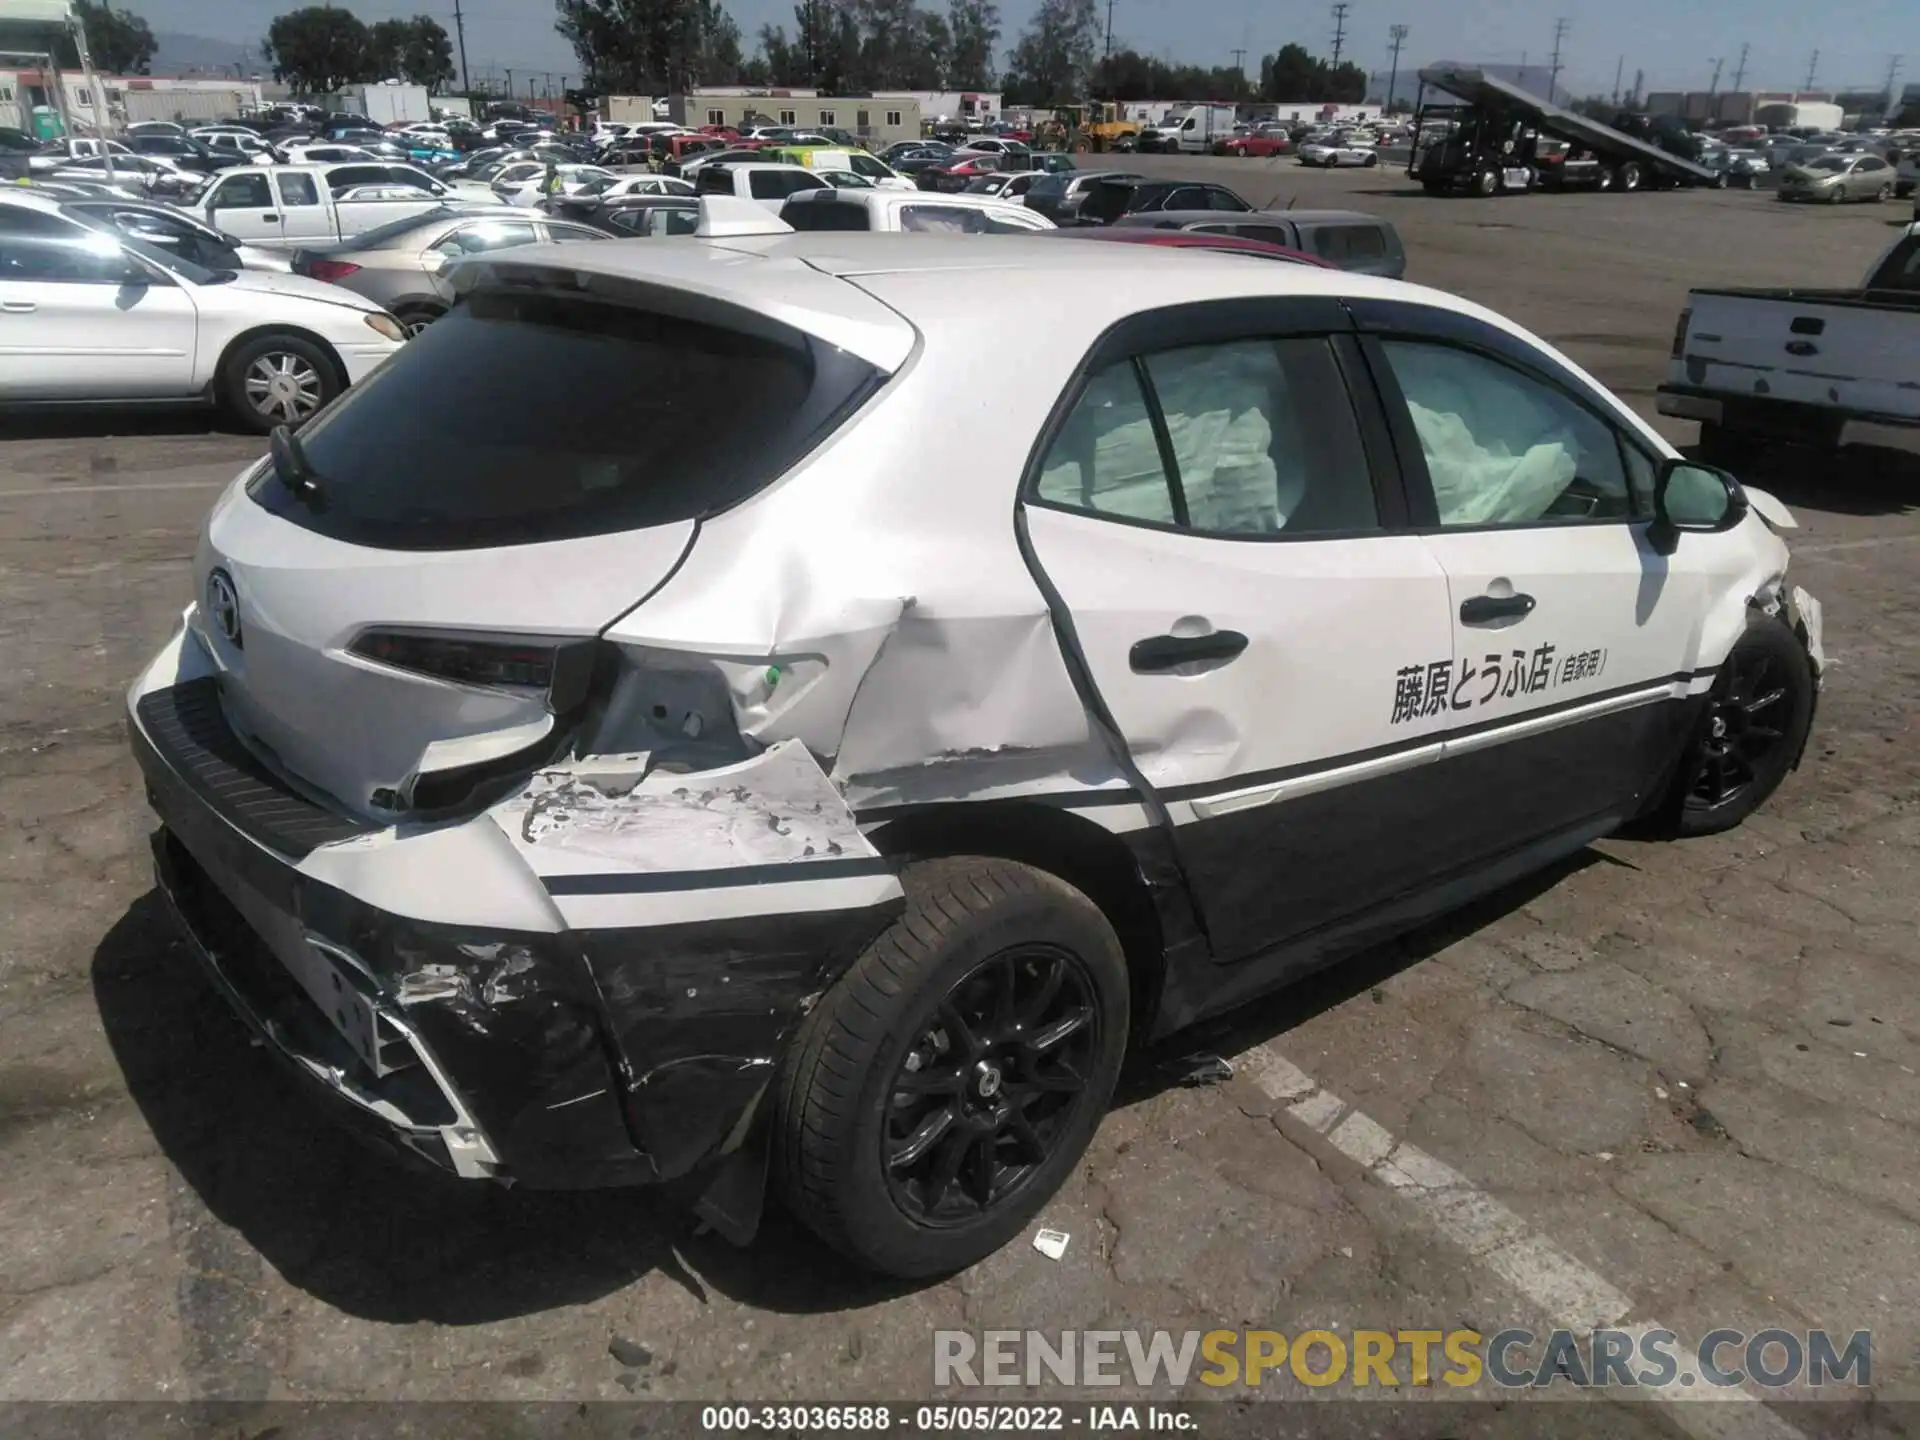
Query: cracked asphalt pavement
x: 1693, y: 1069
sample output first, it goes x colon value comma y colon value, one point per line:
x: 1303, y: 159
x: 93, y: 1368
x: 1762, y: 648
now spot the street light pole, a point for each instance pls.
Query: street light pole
x: 1398, y: 33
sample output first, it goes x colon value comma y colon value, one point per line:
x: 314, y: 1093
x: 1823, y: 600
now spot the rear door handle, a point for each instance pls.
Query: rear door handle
x: 1491, y: 609
x: 18, y: 307
x: 1169, y: 652
x: 270, y: 215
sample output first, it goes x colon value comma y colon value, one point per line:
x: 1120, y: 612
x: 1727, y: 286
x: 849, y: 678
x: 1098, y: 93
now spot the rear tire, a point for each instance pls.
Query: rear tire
x: 1883, y: 194
x: 1371, y: 161
x: 949, y: 1013
x: 278, y: 379
x: 1749, y: 735
x: 1628, y: 177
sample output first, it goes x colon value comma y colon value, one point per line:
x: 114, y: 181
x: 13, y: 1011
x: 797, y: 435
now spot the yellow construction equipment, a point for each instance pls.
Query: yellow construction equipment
x: 1085, y: 129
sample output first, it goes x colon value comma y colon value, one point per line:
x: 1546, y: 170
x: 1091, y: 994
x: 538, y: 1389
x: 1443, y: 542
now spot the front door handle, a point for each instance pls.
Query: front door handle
x: 271, y: 215
x: 18, y: 307
x: 1492, y: 609
x: 1170, y: 652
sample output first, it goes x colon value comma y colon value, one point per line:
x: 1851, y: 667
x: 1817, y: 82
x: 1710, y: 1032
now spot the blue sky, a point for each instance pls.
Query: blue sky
x: 1674, y: 41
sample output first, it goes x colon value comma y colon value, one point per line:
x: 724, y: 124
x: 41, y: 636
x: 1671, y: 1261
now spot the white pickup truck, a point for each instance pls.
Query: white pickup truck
x: 1829, y: 367
x: 298, y: 206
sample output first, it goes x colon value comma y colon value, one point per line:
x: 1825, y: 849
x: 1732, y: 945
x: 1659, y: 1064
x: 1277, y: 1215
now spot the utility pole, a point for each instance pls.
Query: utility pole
x: 1560, y: 28
x: 1240, y: 61
x: 1339, y: 31
x: 1109, y: 27
x: 1398, y: 34
x: 509, y: 70
x: 1619, y: 69
x: 1893, y: 73
x: 1740, y: 70
x: 1713, y: 85
x: 1813, y: 68
x: 460, y: 29
x: 1639, y: 79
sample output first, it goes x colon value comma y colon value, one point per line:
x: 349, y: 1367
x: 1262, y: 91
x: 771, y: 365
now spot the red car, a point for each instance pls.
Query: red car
x: 958, y: 172
x: 1191, y: 240
x: 1267, y: 140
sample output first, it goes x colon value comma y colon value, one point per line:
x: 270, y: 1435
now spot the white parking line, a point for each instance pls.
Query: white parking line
x: 54, y: 489
x: 1457, y: 1210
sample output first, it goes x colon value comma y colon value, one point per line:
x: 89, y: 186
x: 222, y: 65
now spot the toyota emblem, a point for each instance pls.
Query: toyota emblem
x: 224, y: 605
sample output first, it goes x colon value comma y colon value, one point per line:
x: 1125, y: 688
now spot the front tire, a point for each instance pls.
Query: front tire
x: 278, y: 379
x: 1371, y: 161
x: 944, y: 1088
x: 417, y: 317
x: 1750, y: 734
x: 1487, y: 183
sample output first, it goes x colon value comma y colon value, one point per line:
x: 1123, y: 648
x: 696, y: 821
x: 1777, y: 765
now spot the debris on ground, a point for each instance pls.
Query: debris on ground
x: 629, y: 1354
x: 1051, y: 1243
x: 1194, y: 1071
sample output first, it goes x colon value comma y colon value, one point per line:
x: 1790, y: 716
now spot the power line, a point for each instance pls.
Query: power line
x: 1339, y: 31
x: 1740, y: 70
x: 460, y: 29
x: 1560, y: 28
x: 1398, y: 34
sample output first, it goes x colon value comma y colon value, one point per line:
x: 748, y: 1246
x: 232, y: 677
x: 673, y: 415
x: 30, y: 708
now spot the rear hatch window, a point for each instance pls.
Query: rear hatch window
x: 530, y: 415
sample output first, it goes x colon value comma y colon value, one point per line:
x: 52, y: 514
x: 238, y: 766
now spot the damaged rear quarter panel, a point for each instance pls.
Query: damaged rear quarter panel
x: 890, y: 555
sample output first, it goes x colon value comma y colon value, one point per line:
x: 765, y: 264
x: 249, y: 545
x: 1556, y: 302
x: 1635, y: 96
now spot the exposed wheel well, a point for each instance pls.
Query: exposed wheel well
x: 247, y: 337
x: 1093, y: 860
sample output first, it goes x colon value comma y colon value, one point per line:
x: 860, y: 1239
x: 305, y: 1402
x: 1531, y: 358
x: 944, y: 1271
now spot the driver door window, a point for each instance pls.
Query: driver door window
x: 1503, y: 448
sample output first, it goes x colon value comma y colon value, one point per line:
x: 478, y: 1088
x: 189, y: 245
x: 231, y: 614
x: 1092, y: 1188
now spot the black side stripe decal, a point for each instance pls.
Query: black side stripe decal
x: 1091, y: 799
x: 656, y: 882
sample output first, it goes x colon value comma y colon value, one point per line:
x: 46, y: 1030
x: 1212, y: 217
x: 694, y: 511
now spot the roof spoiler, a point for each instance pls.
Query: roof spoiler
x: 728, y: 215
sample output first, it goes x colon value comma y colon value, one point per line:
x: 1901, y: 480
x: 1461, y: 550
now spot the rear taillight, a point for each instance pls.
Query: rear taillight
x: 558, y: 668
x: 1680, y: 334
x: 331, y: 271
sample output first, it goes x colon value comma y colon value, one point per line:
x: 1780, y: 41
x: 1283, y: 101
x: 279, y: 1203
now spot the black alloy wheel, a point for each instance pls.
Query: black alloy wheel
x: 985, y: 1092
x: 1745, y: 724
x: 1750, y: 733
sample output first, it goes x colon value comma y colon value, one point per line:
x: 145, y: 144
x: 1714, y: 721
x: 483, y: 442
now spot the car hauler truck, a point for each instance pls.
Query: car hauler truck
x: 1476, y: 134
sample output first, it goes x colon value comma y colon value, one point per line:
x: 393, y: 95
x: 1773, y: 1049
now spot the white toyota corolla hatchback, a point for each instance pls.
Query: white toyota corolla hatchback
x: 710, y: 709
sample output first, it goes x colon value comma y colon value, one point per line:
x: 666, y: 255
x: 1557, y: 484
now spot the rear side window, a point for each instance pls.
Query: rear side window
x: 1260, y: 436
x: 530, y: 415
x: 1106, y: 200
x: 1349, y: 244
x: 715, y: 181
x: 297, y: 190
x: 824, y: 215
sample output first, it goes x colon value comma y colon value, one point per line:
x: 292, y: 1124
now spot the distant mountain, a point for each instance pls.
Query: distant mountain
x: 197, y: 55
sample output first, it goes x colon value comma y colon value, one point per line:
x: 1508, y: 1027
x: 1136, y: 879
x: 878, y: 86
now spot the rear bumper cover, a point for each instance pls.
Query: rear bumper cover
x: 1768, y: 418
x: 556, y: 1056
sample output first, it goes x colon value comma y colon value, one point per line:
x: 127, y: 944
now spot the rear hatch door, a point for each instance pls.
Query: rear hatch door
x: 518, y: 477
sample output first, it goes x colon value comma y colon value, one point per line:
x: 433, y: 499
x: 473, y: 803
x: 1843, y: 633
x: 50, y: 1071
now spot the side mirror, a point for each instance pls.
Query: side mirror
x: 1688, y: 496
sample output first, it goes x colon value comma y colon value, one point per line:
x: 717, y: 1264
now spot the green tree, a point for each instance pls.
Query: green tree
x: 118, y: 42
x: 1295, y: 75
x: 1052, y: 61
x: 973, y: 32
x: 418, y: 50
x: 319, y: 49
x: 651, y: 47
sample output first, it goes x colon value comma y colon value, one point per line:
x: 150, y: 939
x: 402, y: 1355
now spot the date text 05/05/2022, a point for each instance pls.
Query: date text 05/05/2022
x: 1423, y: 691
